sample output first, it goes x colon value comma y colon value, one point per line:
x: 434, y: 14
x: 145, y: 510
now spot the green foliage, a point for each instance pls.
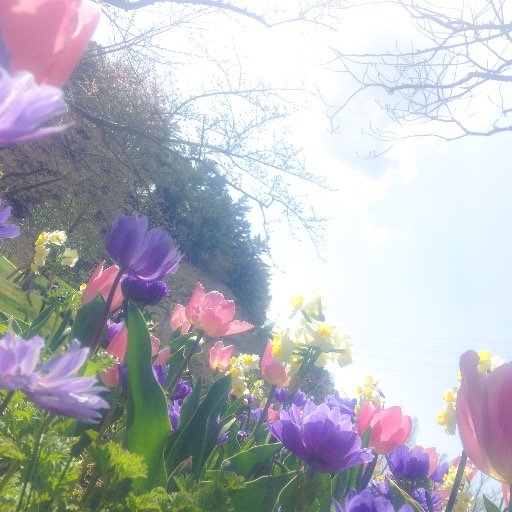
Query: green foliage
x: 198, y: 437
x: 211, y: 495
x: 216, y: 235
x: 148, y: 422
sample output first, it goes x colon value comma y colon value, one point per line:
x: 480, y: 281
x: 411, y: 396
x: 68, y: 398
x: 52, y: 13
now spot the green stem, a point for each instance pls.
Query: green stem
x: 33, y: 460
x: 5, y: 401
x: 263, y: 415
x: 95, y: 341
x: 456, y: 485
x: 368, y: 473
x: 185, y: 362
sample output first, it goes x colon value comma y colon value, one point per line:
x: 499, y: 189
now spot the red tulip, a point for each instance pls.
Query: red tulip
x: 101, y: 281
x: 211, y: 313
x: 272, y: 370
x: 484, y: 416
x: 389, y: 427
x: 47, y: 37
x: 220, y: 356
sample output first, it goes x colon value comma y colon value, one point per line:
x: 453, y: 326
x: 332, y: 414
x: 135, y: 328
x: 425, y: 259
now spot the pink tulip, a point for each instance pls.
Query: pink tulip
x: 47, y: 37
x: 179, y: 319
x: 220, y: 356
x: 211, y: 313
x: 389, y: 427
x: 101, y: 282
x: 273, y: 371
x: 117, y: 347
x: 484, y: 416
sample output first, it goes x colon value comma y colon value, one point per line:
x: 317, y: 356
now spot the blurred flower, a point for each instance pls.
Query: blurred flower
x: 18, y: 361
x: 25, y: 106
x: 282, y: 346
x: 271, y: 370
x: 220, y: 356
x: 484, y: 416
x: 411, y: 463
x: 322, y: 437
x: 69, y: 258
x: 47, y: 37
x: 59, y: 390
x: 281, y: 395
x: 241, y: 435
x: 345, y: 405
x: 312, y: 307
x: 370, y: 391
x: 100, y: 282
x: 211, y: 313
x: 272, y: 415
x: 55, y: 386
x: 7, y: 230
x: 388, y: 427
x: 143, y: 292
x: 447, y: 417
x: 365, y: 501
x: 55, y: 237
x: 149, y: 254
x: 300, y: 398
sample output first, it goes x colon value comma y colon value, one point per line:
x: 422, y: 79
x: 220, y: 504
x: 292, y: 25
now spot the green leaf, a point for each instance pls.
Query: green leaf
x: 38, y: 322
x: 148, y: 422
x: 98, y: 362
x: 490, y: 506
x: 192, y: 440
x: 87, y: 319
x: 260, y: 495
x: 242, y: 463
x: 190, y: 404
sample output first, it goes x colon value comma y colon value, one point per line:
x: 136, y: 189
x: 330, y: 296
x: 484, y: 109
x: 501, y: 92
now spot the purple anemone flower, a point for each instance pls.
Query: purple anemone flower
x: 149, y: 254
x: 7, y: 230
x: 365, y: 501
x: 322, y: 437
x: 54, y: 386
x: 411, y: 463
x: 144, y: 292
x: 345, y: 405
x: 25, y: 105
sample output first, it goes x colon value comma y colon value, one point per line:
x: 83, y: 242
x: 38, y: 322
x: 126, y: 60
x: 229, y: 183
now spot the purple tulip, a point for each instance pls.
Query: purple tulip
x: 322, y: 437
x: 149, y: 254
x: 7, y: 230
x: 281, y: 395
x: 181, y: 391
x: 25, y: 105
x: 54, y: 386
x: 300, y: 398
x: 144, y: 292
x: 411, y: 463
x: 174, y: 414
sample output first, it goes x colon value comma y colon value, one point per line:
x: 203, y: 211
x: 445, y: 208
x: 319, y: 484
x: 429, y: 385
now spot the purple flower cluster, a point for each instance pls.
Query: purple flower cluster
x: 410, y: 463
x: 54, y: 386
x: 322, y: 437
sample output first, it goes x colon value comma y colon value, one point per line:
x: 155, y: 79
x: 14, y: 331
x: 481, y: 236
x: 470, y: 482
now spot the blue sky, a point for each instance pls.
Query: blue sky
x: 418, y: 247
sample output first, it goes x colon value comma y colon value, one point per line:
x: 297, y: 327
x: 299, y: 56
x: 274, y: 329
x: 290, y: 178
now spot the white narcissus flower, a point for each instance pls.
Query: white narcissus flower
x: 69, y: 258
